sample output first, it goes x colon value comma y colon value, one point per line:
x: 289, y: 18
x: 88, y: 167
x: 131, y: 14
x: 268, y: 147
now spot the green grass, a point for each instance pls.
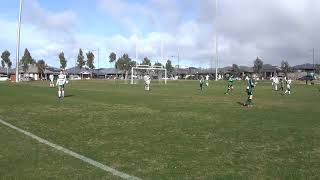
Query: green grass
x: 174, y: 131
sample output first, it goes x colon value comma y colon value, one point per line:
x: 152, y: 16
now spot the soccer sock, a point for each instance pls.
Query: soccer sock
x: 247, y: 102
x: 62, y: 93
x: 59, y: 93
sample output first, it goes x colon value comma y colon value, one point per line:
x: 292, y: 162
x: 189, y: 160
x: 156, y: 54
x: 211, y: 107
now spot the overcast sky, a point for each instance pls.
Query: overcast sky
x: 271, y: 29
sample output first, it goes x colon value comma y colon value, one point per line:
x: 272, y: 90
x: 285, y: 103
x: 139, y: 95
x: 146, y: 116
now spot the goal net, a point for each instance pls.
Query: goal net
x: 155, y: 72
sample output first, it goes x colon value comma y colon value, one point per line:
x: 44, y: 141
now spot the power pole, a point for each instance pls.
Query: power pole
x: 216, y: 19
x: 137, y: 50
x: 178, y: 58
x: 161, y: 50
x: 313, y: 59
x: 18, y: 42
x: 98, y: 58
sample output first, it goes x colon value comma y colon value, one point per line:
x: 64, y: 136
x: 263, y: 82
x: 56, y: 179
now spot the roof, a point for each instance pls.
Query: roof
x: 269, y: 68
x: 51, y: 70
x: 33, y: 69
x: 304, y: 67
x: 77, y: 70
x: 4, y: 71
x: 101, y: 71
x: 246, y: 69
x: 225, y: 69
x: 105, y: 71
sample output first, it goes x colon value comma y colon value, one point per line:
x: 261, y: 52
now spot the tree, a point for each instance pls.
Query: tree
x: 258, y: 64
x: 26, y: 60
x: 90, y: 60
x: 285, y: 67
x: 112, y: 57
x: 63, y: 61
x: 235, y: 70
x: 10, y: 64
x: 80, y: 59
x: 146, y: 61
x: 6, y: 60
x: 169, y: 67
x: 125, y: 64
x: 41, y: 65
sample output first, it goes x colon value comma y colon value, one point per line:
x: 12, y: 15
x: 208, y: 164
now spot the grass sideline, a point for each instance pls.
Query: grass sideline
x: 173, y: 132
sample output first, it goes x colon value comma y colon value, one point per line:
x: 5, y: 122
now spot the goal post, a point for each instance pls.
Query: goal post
x: 148, y: 68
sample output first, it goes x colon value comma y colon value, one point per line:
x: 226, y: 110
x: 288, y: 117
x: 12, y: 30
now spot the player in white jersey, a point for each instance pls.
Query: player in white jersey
x: 51, y: 79
x: 207, y: 80
x: 275, y: 82
x: 61, y: 81
x: 288, y: 91
x: 147, y: 81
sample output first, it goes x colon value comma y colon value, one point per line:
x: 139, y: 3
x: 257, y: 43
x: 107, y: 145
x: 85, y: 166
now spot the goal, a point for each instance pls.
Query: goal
x: 155, y: 72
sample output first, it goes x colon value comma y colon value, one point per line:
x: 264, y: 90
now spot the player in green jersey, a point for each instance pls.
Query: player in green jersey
x: 250, y: 87
x: 288, y: 91
x: 230, y: 85
x: 201, y: 82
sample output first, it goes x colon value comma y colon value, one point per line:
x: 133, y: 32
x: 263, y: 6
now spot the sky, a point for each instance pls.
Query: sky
x: 246, y: 29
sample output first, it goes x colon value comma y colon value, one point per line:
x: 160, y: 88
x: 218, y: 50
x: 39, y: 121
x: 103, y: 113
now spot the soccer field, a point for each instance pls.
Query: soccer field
x: 175, y: 131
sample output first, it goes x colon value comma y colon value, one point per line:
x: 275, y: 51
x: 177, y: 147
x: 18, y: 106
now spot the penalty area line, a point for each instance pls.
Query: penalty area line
x: 72, y: 153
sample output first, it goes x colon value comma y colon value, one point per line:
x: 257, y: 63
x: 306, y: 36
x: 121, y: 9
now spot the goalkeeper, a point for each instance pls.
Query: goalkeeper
x: 147, y: 80
x: 61, y: 81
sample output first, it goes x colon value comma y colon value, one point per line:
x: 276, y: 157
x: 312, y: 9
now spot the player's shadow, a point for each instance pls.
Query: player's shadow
x: 240, y: 103
x: 69, y: 95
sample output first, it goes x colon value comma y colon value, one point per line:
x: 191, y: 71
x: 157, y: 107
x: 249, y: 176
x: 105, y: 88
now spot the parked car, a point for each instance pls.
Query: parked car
x: 307, y: 78
x: 74, y: 77
x: 27, y: 79
x: 4, y: 78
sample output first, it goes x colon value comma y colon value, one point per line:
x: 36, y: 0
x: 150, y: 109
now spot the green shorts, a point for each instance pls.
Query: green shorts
x: 61, y: 86
x: 249, y: 92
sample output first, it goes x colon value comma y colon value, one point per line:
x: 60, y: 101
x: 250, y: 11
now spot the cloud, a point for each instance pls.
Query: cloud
x: 43, y: 32
x: 273, y: 30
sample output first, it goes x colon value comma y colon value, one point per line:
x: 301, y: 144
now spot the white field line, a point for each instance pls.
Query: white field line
x: 73, y: 154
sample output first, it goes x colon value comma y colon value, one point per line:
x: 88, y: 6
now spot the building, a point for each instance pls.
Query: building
x: 86, y: 73
x: 269, y: 71
x: 304, y: 68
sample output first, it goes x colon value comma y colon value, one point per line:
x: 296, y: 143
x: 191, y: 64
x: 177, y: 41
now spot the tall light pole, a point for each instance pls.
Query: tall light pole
x: 178, y: 58
x: 216, y: 22
x: 137, y: 49
x: 313, y: 59
x: 18, y: 42
x: 98, y: 58
x: 161, y: 50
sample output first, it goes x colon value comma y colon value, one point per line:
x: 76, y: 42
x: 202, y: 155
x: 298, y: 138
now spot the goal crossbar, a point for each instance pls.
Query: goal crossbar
x: 149, y: 68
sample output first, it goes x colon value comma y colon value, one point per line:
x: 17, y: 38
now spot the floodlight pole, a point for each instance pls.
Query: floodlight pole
x: 313, y: 59
x: 18, y: 42
x: 216, y: 40
x: 98, y: 58
x: 161, y: 50
x: 165, y: 76
x: 132, y: 75
x: 136, y: 50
